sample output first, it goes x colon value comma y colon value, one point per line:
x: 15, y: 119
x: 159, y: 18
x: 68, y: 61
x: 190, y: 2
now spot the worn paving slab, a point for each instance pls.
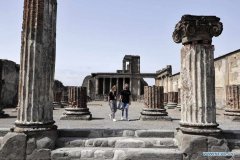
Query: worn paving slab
x: 100, y: 111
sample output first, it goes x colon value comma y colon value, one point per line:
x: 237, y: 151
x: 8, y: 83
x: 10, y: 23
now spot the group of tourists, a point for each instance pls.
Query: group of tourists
x: 122, y: 104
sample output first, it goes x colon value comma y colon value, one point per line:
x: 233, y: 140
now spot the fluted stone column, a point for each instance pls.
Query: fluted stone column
x: 77, y: 110
x: 232, y: 110
x: 64, y: 99
x: 104, y: 86
x: 96, y: 86
x: 172, y: 94
x: 37, y: 66
x: 179, y: 99
x: 198, y: 114
x: 179, y: 94
x: 153, y: 104
x: 165, y: 90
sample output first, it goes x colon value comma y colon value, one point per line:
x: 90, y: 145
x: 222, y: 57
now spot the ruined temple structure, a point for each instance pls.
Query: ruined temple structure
x: 9, y: 73
x: 171, y: 84
x: 99, y: 84
x: 153, y: 102
x: 77, y: 108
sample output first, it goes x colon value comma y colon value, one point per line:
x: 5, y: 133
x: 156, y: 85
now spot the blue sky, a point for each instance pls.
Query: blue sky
x: 94, y: 35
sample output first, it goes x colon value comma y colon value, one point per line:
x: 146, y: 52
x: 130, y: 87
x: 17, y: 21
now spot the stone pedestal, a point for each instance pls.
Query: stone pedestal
x: 172, y: 100
x: 232, y: 110
x: 77, y: 110
x: 37, y: 66
x: 57, y: 100
x: 153, y: 100
x: 198, y: 114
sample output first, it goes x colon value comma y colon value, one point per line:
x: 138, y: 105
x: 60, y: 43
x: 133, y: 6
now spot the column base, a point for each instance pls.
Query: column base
x: 179, y: 107
x: 151, y: 114
x: 200, y: 129
x: 33, y: 126
x: 3, y: 115
x: 57, y: 105
x: 171, y: 105
x: 234, y: 115
x: 64, y: 104
x: 76, y: 114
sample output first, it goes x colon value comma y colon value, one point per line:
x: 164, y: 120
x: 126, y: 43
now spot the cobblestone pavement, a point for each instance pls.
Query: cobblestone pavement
x: 100, y: 111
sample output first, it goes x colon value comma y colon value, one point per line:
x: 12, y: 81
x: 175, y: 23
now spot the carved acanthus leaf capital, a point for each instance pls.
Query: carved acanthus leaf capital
x: 197, y: 28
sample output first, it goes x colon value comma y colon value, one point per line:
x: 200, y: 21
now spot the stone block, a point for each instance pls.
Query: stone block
x: 31, y: 146
x: 13, y: 145
x: 99, y: 154
x: 154, y: 133
x: 129, y: 143
x: 88, y: 153
x: 40, y: 154
x: 128, y: 133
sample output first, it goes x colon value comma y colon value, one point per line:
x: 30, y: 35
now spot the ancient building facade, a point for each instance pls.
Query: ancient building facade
x: 227, y: 71
x: 99, y: 84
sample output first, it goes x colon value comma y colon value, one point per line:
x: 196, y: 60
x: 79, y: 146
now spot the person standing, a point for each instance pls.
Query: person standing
x: 125, y: 99
x: 112, y: 99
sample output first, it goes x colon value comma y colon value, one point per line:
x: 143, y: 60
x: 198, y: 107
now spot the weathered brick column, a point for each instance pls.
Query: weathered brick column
x: 153, y: 101
x: 37, y: 66
x: 233, y: 102
x: 198, y: 114
x: 77, y: 109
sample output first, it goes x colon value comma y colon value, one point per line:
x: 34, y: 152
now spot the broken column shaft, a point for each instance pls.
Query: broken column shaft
x: 153, y: 101
x: 37, y: 66
x: 77, y: 109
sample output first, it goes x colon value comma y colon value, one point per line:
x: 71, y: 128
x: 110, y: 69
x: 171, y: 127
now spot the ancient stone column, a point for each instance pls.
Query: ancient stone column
x: 172, y: 94
x: 123, y: 83
x: 64, y: 99
x: 179, y: 94
x: 139, y: 87
x: 179, y: 99
x: 96, y: 86
x: 37, y: 66
x: 110, y: 84
x: 153, y: 104
x: 77, y: 110
x: 198, y: 114
x: 232, y: 110
x: 104, y: 86
x: 165, y: 90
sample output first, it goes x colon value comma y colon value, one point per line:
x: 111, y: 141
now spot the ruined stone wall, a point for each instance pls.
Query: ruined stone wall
x: 9, y: 76
x: 227, y: 72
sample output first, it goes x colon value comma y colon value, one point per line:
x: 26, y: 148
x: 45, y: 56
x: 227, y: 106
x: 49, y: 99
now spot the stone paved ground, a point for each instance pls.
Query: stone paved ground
x: 100, y: 111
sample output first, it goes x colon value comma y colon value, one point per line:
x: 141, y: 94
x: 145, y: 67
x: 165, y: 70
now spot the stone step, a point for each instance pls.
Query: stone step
x: 233, y: 143
x: 4, y: 131
x: 236, y: 154
x: 101, y: 133
x: 79, y: 153
x: 117, y: 142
